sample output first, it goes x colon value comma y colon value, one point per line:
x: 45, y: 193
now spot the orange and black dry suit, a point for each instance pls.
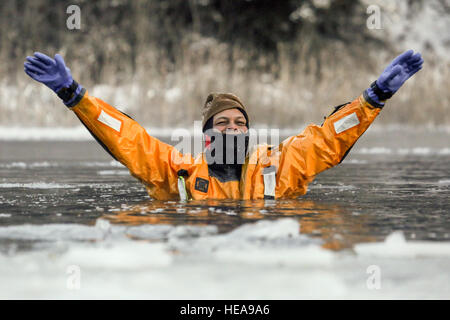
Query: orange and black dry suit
x: 282, y: 171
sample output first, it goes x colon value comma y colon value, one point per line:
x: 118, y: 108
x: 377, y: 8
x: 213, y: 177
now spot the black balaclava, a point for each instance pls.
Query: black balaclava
x: 225, y: 153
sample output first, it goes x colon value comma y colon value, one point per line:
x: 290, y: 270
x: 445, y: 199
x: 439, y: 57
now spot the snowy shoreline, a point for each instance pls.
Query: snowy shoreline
x: 79, y: 133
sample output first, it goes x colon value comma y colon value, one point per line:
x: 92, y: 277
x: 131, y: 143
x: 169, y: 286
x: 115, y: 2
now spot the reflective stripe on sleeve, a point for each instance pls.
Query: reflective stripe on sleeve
x: 110, y: 121
x: 182, y: 189
x: 346, y: 122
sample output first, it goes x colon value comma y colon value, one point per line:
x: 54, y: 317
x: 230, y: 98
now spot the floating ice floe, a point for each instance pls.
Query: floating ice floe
x: 257, y: 240
x: 268, y: 259
x: 11, y: 165
x: 396, y: 246
x: 112, y: 163
x: 263, y: 243
x: 36, y: 185
x: 374, y: 150
x: 113, y: 173
x: 78, y: 133
x: 418, y: 151
x: 46, y: 164
x: 354, y: 161
x: 102, y: 230
x: 23, y: 165
x: 52, y: 185
x: 338, y: 187
x: 52, y: 232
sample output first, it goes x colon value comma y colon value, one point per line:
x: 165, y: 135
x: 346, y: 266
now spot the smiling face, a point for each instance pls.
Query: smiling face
x: 230, y: 120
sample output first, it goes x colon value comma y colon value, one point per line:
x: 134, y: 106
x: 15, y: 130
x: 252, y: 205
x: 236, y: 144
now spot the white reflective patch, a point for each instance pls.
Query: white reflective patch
x: 346, y: 122
x: 109, y: 121
x: 182, y: 189
x: 269, y: 183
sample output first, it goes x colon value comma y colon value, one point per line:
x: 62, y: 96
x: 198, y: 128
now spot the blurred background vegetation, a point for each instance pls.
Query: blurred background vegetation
x: 290, y: 61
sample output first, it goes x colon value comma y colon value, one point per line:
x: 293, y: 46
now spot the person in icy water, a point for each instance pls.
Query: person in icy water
x: 226, y: 168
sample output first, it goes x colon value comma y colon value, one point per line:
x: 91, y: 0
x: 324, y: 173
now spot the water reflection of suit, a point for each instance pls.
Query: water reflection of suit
x: 334, y: 225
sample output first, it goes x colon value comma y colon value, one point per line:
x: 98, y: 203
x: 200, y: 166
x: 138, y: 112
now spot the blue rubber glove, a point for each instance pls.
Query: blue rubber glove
x: 54, y: 74
x: 394, y: 76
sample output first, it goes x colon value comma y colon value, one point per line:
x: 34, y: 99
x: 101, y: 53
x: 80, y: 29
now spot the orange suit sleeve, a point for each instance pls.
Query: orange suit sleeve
x: 318, y: 148
x: 151, y: 161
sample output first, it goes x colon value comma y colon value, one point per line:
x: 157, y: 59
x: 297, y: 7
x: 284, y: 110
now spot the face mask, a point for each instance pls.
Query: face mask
x: 227, y: 148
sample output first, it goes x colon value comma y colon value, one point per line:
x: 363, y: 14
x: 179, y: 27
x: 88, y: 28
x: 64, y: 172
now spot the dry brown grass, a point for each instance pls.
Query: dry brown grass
x: 286, y: 93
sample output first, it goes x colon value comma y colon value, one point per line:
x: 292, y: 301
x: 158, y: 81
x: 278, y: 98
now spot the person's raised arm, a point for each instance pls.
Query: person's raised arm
x: 321, y: 147
x: 148, y: 159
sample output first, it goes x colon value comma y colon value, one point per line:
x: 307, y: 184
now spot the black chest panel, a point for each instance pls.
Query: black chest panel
x: 225, y: 172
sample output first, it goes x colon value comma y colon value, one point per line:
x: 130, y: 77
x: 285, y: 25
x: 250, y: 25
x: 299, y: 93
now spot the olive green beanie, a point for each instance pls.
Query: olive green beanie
x: 218, y: 102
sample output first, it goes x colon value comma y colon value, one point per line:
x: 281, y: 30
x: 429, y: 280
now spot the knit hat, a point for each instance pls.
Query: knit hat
x: 218, y: 102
